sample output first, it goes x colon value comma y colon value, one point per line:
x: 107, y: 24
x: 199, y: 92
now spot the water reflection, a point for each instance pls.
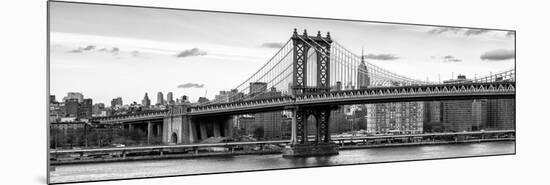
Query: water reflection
x: 117, y: 170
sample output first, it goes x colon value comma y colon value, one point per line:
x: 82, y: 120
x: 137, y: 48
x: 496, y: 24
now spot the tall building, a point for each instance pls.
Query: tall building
x: 501, y: 114
x: 170, y: 98
x: 98, y: 109
x: 85, y: 108
x: 160, y: 98
x: 457, y: 115
x: 184, y: 99
x: 116, y: 103
x: 257, y: 87
x: 363, y: 79
x: 203, y: 100
x: 396, y: 118
x: 479, y: 115
x: 337, y: 87
x: 74, y: 95
x: 146, y: 102
x: 52, y: 99
x: 71, y: 107
x: 338, y: 122
x: 433, y: 114
x: 229, y: 96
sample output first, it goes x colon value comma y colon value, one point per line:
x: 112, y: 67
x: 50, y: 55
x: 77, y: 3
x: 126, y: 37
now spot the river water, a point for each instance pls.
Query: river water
x: 151, y: 168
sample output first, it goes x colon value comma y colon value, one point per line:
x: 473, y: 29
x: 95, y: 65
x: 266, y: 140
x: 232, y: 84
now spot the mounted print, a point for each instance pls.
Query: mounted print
x: 138, y: 92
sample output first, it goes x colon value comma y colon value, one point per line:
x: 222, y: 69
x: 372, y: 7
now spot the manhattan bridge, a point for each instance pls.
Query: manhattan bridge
x: 312, y: 75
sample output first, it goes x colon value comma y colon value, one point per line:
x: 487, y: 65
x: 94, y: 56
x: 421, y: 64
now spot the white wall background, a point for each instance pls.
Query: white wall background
x: 23, y: 92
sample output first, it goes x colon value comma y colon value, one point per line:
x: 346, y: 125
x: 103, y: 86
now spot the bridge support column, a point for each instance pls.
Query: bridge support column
x: 149, y: 132
x: 203, y: 134
x: 293, y: 128
x: 193, y: 135
x: 217, y: 129
x: 159, y: 130
x: 300, y: 145
x: 130, y: 127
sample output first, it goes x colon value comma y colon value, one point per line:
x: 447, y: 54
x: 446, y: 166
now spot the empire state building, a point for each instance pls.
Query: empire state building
x: 363, y: 79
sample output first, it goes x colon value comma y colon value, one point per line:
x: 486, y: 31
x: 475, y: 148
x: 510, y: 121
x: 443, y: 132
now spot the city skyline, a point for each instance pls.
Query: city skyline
x: 183, y: 51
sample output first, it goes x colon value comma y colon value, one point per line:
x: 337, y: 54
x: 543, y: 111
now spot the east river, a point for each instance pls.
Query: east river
x: 169, y: 167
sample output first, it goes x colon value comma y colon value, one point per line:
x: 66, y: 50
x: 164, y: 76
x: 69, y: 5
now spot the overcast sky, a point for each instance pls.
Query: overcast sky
x: 110, y: 51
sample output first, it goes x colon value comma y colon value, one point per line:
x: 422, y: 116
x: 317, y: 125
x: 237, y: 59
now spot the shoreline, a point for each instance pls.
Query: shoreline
x: 260, y: 152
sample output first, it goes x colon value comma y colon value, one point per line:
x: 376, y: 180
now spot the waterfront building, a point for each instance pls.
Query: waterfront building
x: 501, y: 114
x: 457, y: 115
x: 395, y: 118
x: 433, y: 114
x: 479, y: 115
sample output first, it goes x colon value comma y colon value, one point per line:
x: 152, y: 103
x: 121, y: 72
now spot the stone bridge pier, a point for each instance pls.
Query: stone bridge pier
x: 185, y: 129
x: 301, y: 145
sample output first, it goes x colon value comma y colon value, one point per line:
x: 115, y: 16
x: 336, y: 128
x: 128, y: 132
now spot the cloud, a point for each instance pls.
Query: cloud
x: 82, y: 49
x: 88, y: 48
x: 450, y: 58
x: 191, y: 52
x: 272, y: 45
x: 447, y: 58
x: 135, y: 53
x: 190, y: 85
x: 381, y: 56
x: 75, y: 51
x: 462, y: 31
x: 475, y: 32
x: 498, y: 55
x: 438, y: 31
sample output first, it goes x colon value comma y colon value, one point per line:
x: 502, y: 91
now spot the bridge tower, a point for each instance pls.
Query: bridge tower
x: 322, y: 145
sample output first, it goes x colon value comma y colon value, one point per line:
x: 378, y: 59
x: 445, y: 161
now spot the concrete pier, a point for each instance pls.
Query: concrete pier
x: 310, y: 149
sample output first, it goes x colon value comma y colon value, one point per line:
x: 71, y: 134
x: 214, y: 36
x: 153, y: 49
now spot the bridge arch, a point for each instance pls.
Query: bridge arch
x: 174, y: 138
x: 311, y: 125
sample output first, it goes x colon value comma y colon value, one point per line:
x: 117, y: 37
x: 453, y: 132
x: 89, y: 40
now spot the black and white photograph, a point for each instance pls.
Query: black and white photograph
x: 139, y: 92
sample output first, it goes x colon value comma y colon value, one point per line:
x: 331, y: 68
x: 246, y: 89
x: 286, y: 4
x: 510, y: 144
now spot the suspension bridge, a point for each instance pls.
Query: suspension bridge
x: 310, y: 75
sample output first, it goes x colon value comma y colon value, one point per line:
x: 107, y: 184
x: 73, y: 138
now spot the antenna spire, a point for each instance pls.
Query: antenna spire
x: 362, y: 56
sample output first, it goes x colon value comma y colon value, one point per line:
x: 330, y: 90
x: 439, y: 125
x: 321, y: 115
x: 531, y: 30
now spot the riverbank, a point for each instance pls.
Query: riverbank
x: 261, y: 152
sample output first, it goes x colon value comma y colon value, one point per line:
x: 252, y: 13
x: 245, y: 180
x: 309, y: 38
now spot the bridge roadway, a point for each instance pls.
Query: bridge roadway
x: 233, y: 144
x: 456, y: 91
x: 362, y: 96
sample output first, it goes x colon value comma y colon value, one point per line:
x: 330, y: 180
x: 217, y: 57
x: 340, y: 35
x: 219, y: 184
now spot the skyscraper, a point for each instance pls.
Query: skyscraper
x: 363, y: 79
x: 170, y: 98
x: 116, y: 103
x: 74, y: 95
x: 146, y: 102
x: 85, y: 108
x: 160, y: 98
x: 457, y: 115
x: 433, y: 114
x: 501, y: 114
x: 479, y: 114
x: 257, y: 87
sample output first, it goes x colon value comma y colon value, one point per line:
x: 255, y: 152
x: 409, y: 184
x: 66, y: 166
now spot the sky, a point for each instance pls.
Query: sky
x: 106, y: 52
